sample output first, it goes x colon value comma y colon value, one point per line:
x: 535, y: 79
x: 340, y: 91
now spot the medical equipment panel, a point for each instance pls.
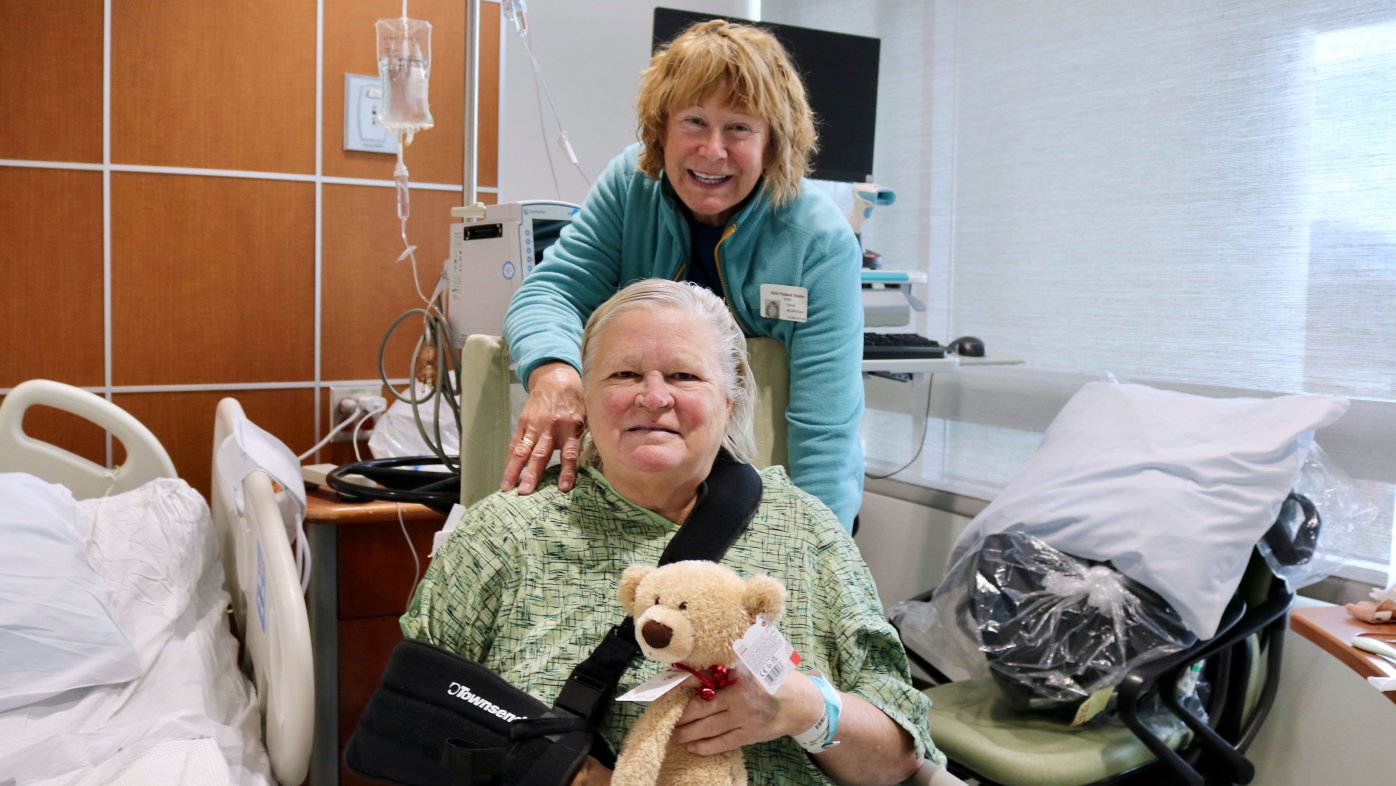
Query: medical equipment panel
x: 491, y: 253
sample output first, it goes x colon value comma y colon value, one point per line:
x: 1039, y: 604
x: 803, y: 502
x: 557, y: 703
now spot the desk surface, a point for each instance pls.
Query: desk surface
x: 323, y: 506
x: 1331, y: 628
x: 947, y: 363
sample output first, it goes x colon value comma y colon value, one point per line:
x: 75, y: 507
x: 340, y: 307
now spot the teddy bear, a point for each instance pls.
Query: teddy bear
x: 688, y: 614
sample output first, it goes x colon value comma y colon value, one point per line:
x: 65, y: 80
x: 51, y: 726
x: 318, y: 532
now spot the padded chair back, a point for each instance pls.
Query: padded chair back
x: 487, y: 419
x: 146, y: 458
x: 268, y: 607
x: 769, y: 366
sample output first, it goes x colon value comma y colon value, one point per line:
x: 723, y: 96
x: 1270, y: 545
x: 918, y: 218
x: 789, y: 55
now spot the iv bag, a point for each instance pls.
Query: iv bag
x: 404, y: 66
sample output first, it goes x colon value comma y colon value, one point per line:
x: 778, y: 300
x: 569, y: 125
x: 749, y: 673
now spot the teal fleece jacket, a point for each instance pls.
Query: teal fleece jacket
x: 632, y: 227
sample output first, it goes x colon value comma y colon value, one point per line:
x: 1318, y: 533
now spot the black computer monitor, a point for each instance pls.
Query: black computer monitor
x: 840, y: 73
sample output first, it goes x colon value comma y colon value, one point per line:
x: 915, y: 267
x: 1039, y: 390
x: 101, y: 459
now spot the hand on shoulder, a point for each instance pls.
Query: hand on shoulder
x: 552, y: 419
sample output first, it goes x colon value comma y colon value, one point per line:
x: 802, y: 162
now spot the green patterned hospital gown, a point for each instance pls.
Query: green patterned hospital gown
x: 527, y: 586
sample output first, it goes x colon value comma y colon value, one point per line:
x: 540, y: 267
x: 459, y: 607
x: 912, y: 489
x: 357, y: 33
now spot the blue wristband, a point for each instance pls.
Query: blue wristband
x: 820, y: 736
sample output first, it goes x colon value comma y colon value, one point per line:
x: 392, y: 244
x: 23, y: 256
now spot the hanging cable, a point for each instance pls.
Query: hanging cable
x: 404, y: 62
x: 404, y: 68
x: 921, y: 444
x: 379, y: 407
x: 517, y: 11
x: 353, y: 418
x: 416, y: 563
x: 436, y: 375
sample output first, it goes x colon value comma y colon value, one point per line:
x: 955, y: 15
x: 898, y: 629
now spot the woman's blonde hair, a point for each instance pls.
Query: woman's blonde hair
x: 747, y: 68
x: 738, y: 383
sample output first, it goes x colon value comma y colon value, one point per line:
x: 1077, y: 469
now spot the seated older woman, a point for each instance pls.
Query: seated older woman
x: 526, y: 585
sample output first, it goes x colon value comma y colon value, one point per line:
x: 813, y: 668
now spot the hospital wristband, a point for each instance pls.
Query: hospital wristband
x: 820, y: 736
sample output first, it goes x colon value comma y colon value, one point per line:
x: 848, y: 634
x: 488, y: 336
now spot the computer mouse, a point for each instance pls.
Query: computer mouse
x: 967, y: 346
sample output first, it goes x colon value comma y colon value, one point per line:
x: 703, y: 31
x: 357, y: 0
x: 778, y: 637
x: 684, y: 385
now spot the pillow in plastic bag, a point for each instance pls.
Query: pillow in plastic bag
x: 57, y: 631
x: 1173, y: 489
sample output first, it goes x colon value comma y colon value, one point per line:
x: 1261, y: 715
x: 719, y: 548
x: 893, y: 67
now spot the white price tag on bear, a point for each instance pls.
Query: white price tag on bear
x: 766, y: 654
x: 655, y: 686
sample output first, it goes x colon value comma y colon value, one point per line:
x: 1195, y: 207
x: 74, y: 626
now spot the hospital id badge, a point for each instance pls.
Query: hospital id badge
x: 779, y: 301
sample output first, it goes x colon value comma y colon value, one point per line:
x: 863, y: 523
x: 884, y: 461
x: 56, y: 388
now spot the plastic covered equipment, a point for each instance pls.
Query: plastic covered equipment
x: 1324, y: 498
x: 1052, y: 628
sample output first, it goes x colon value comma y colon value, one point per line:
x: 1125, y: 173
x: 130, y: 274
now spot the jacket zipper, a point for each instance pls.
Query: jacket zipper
x: 722, y: 280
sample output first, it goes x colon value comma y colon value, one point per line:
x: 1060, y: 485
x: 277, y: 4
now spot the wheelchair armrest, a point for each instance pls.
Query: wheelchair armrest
x: 1143, y: 680
x: 1238, y: 623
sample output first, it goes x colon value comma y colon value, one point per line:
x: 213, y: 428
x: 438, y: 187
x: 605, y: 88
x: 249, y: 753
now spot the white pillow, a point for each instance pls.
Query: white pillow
x: 57, y: 631
x: 1173, y: 489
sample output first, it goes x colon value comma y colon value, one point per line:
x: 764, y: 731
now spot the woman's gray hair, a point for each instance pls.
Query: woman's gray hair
x: 738, y: 382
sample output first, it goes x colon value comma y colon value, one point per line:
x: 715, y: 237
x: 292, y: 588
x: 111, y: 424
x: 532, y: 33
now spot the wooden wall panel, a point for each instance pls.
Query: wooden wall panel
x: 364, y: 290
x: 51, y: 322
x: 435, y: 155
x: 183, y: 422
x: 222, y: 84
x: 52, y: 80
x: 212, y: 280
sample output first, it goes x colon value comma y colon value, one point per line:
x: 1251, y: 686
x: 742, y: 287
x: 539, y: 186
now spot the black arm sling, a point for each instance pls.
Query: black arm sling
x: 437, y: 719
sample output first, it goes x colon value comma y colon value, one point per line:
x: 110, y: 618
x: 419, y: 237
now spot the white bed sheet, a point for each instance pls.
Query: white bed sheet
x: 156, y: 549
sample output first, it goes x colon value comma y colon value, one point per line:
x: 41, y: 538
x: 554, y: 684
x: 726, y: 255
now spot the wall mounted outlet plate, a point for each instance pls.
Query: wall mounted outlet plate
x: 363, y: 101
x: 339, y: 412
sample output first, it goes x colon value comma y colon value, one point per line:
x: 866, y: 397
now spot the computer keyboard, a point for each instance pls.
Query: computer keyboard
x: 900, y: 346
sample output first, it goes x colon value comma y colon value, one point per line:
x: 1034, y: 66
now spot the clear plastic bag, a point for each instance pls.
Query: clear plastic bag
x: 404, y: 66
x: 397, y: 434
x: 1051, y: 629
x: 1323, y: 519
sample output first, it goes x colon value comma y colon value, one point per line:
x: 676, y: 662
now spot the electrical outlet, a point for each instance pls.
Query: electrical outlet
x: 363, y: 103
x: 340, y: 410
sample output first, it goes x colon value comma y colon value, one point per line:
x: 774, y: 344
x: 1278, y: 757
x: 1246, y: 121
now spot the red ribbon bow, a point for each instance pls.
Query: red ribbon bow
x: 713, y: 677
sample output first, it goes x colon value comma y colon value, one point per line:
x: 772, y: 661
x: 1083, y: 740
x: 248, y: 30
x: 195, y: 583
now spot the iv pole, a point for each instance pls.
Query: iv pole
x: 472, y: 98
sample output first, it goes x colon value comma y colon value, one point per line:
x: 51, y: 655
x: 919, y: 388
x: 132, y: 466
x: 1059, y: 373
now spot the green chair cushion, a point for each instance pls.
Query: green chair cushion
x: 974, y: 725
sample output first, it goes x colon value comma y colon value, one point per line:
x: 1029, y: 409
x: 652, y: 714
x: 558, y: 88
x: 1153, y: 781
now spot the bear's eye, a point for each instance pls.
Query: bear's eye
x: 683, y: 606
x: 656, y: 600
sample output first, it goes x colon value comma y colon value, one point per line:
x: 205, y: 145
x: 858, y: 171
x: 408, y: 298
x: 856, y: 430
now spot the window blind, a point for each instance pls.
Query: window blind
x: 1198, y: 195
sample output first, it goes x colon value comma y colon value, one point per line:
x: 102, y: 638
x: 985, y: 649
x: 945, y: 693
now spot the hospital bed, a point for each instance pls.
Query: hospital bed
x: 148, y: 687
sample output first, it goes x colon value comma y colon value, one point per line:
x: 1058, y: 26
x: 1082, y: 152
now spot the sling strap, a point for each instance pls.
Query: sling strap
x: 727, y: 500
x: 556, y: 741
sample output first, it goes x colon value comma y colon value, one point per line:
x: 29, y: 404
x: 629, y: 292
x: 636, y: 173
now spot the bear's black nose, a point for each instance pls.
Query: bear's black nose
x: 657, y: 634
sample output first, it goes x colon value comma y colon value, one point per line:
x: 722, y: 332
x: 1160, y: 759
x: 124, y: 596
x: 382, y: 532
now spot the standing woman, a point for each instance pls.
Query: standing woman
x: 712, y: 194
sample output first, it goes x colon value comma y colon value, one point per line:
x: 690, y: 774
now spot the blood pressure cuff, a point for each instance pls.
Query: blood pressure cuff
x: 438, y: 719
